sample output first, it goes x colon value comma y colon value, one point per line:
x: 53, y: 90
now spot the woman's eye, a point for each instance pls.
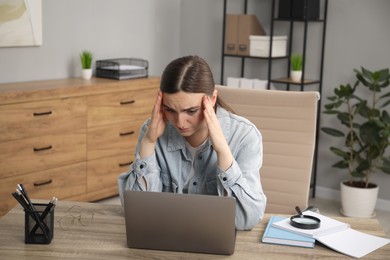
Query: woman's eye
x: 191, y: 112
x: 169, y: 110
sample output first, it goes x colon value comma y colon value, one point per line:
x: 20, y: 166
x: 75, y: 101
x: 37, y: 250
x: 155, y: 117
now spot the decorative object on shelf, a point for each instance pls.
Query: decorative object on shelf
x: 299, y: 9
x: 238, y: 29
x: 296, y: 67
x: 86, y: 58
x: 364, y: 113
x: 122, y: 68
x: 260, y: 45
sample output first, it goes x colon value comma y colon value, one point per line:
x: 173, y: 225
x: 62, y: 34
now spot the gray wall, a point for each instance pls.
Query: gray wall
x: 159, y: 31
x: 146, y: 29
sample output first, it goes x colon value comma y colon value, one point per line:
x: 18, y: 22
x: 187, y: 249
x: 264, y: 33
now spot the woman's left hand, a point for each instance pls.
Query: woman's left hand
x: 220, y: 145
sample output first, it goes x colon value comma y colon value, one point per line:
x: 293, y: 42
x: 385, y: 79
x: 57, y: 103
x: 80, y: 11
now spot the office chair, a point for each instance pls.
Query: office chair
x: 287, y: 122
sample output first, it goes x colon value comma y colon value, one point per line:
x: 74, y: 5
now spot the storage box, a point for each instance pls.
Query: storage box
x: 299, y: 9
x: 237, y: 31
x: 123, y: 68
x: 259, y: 46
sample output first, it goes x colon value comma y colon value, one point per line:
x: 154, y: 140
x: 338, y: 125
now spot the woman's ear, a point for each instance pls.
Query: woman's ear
x: 214, y: 97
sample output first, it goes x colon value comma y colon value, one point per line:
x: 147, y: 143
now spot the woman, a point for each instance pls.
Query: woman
x: 191, y: 144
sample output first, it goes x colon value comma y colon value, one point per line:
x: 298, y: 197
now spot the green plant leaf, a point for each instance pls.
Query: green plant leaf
x: 332, y: 131
x: 341, y: 165
x: 369, y: 133
x: 340, y: 152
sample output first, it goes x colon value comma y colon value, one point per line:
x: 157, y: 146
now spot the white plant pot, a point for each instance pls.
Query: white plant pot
x: 86, y: 74
x: 358, y: 202
x: 296, y: 75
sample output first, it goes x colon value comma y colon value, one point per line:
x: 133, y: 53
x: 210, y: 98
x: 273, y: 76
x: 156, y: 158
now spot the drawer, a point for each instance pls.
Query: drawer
x: 60, y: 182
x: 41, y: 153
x: 23, y: 120
x: 120, y: 107
x: 104, y: 173
x: 113, y: 139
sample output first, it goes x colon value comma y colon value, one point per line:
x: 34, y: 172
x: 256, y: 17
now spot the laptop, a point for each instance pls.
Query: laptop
x: 180, y: 222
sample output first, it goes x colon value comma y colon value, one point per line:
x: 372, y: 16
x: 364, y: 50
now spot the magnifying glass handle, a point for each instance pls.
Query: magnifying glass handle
x: 298, y: 210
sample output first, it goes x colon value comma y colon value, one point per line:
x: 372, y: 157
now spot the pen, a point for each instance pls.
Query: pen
x: 51, y: 204
x: 32, y: 209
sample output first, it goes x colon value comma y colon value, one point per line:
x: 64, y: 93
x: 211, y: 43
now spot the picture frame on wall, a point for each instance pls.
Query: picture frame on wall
x: 20, y: 23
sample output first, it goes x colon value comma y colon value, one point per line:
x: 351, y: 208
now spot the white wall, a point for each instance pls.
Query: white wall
x: 159, y: 31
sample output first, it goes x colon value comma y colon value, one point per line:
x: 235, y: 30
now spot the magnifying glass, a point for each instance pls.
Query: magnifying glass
x: 304, y: 221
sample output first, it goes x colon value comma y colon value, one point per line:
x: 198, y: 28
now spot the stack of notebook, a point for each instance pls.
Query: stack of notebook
x: 333, y: 233
x: 279, y: 236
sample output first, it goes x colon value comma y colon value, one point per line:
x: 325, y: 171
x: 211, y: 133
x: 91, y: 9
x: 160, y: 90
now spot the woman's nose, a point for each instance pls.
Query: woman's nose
x: 180, y: 120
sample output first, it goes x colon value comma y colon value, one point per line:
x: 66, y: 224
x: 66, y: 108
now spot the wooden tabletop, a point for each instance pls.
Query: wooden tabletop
x: 105, y: 238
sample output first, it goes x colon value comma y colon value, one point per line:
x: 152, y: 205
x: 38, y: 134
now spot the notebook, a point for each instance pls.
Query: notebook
x: 275, y: 235
x: 180, y: 222
x: 338, y: 236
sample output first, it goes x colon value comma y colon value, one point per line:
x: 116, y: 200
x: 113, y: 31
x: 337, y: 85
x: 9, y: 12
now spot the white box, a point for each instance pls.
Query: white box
x: 233, y: 82
x: 259, y: 46
x: 246, y: 83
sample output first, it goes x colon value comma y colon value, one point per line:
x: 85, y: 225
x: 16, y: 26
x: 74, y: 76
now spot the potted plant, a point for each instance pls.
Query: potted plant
x: 363, y: 115
x: 86, y: 58
x: 296, y: 67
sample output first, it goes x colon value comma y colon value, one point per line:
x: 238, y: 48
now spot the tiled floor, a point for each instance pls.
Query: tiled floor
x: 326, y: 207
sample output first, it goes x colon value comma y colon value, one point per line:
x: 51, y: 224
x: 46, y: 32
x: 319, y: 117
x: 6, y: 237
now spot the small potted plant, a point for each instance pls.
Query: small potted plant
x: 296, y: 67
x: 86, y: 58
x: 365, y: 131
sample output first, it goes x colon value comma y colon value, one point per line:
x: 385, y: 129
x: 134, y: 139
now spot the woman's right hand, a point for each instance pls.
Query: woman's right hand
x: 155, y: 129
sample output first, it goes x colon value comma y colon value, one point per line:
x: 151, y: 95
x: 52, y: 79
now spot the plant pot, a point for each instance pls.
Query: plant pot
x: 296, y: 75
x: 358, y: 202
x: 86, y: 74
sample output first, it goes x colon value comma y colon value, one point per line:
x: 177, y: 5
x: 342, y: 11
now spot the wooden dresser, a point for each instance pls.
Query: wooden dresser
x: 70, y: 138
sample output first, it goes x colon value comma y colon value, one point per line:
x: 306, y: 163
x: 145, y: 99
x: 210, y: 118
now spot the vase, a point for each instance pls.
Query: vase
x: 296, y: 75
x: 358, y: 202
x: 86, y: 73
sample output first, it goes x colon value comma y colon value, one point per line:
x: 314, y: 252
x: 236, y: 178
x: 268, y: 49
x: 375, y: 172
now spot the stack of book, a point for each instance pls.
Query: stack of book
x: 335, y: 234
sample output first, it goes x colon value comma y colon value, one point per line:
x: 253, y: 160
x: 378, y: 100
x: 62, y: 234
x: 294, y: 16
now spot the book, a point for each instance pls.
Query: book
x: 337, y: 235
x: 278, y: 236
x: 327, y: 226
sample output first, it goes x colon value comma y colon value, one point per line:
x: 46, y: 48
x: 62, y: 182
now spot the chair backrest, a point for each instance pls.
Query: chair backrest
x: 287, y: 122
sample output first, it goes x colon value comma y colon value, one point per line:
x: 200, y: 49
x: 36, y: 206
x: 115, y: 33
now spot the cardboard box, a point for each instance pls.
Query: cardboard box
x: 231, y: 46
x: 238, y: 28
x: 259, y: 46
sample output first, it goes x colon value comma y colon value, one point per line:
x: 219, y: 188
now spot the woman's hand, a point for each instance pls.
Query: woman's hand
x: 155, y: 128
x: 220, y: 145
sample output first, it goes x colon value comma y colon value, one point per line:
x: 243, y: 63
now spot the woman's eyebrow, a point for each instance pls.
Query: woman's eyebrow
x: 183, y: 110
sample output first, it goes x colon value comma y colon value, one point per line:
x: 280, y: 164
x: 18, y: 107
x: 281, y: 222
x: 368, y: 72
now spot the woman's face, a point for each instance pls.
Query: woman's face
x: 185, y: 111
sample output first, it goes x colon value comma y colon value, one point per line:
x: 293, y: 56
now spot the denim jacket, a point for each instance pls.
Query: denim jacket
x: 167, y: 169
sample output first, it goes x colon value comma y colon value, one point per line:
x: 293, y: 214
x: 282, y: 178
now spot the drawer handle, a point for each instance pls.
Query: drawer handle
x: 43, y: 183
x: 127, y: 102
x: 42, y: 113
x: 125, y: 164
x: 126, y: 133
x: 242, y: 47
x: 42, y: 148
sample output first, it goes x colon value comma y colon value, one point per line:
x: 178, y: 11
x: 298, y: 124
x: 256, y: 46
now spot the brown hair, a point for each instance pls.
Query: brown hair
x: 190, y: 74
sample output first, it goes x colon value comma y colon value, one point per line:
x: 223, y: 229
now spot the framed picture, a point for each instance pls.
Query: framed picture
x: 20, y: 23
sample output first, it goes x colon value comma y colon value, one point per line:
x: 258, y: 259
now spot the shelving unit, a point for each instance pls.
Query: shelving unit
x: 293, y: 22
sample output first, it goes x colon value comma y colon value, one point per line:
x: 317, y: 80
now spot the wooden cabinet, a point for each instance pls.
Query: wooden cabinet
x: 70, y: 138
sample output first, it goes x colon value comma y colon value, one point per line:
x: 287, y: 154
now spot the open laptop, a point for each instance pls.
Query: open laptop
x: 180, y: 222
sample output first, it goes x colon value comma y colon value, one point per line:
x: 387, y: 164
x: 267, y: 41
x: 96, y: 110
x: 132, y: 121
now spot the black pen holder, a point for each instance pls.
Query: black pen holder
x: 39, y: 231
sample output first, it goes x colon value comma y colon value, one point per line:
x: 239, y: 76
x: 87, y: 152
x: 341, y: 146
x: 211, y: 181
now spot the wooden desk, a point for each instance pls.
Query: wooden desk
x: 105, y: 238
